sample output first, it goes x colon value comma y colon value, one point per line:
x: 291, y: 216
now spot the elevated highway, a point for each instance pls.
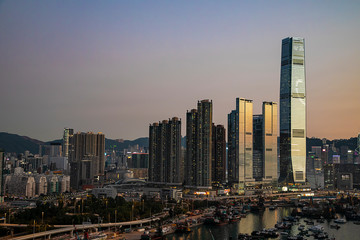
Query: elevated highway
x: 62, y: 229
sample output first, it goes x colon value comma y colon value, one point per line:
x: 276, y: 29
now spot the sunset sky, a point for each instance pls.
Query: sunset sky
x: 117, y: 66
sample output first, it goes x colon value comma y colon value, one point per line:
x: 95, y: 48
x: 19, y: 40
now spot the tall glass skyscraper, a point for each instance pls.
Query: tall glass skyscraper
x: 265, y: 143
x: 292, y: 111
x: 240, y: 144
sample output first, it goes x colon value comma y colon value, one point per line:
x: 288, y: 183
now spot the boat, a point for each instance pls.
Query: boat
x: 182, y: 228
x: 316, y: 229
x: 272, y: 207
x: 145, y: 236
x: 257, y: 208
x: 301, y: 227
x: 269, y: 233
x: 283, y: 225
x: 244, y: 236
x: 321, y: 235
x: 220, y: 222
x: 340, y: 220
x: 234, y: 218
x: 310, y: 223
x: 101, y: 236
x: 335, y: 226
x: 292, y: 238
x: 299, y: 237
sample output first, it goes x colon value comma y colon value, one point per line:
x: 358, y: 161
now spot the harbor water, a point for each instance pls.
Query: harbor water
x: 259, y: 221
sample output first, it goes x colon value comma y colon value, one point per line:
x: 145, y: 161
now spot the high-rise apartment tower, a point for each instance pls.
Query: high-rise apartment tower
x: 199, y: 145
x: 68, y: 132
x: 87, y: 160
x: 218, y: 164
x: 165, y: 164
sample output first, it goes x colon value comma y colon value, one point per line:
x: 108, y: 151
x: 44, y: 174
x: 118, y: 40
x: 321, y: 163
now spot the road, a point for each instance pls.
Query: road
x: 71, y: 228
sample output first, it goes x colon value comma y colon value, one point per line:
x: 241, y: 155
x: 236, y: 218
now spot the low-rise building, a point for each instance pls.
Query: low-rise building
x: 104, y: 192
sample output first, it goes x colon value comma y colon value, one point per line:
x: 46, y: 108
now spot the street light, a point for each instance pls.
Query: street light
x: 132, y: 212
x: 131, y: 216
x: 34, y: 230
x: 82, y: 205
x: 150, y: 217
x: 115, y: 219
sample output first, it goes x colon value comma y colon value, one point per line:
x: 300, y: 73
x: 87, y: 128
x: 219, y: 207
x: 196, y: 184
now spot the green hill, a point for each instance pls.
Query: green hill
x: 18, y: 144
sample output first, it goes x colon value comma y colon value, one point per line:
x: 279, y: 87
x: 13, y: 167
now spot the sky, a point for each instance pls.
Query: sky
x: 117, y: 66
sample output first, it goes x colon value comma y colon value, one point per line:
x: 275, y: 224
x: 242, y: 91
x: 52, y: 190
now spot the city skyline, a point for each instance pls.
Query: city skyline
x: 116, y: 67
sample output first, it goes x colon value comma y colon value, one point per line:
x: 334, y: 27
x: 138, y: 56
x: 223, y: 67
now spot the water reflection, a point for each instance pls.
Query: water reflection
x: 266, y: 219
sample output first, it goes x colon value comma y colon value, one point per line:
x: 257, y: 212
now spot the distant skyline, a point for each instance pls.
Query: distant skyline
x: 117, y: 66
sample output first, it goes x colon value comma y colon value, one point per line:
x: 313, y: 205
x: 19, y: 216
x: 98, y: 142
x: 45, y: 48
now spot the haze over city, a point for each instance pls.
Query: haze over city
x: 118, y: 66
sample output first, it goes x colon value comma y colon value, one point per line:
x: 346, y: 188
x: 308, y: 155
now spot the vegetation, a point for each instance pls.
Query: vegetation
x: 97, y: 210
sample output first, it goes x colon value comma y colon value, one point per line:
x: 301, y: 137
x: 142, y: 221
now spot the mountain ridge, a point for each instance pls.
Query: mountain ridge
x: 19, y: 144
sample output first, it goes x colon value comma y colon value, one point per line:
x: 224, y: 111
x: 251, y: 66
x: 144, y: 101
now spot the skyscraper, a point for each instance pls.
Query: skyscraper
x: 292, y: 111
x: 218, y: 164
x: 87, y: 160
x: 155, y: 162
x: 175, y: 166
x: 240, y: 144
x: 258, y: 147
x: 270, y: 144
x: 199, y: 145
x: 191, y: 147
x: 165, y: 164
x: 68, y: 132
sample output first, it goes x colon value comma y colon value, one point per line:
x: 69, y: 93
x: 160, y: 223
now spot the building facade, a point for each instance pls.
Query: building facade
x: 218, y: 154
x: 198, y: 167
x: 270, y: 144
x: 240, y: 144
x: 87, y: 159
x: 68, y: 133
x: 292, y: 112
x: 165, y: 164
x: 139, y: 160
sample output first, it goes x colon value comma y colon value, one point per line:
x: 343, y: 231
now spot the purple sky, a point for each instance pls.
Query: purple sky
x: 117, y: 66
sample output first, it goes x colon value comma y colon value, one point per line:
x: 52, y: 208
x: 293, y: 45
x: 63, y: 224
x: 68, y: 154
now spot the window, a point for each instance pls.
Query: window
x: 298, y: 95
x: 298, y: 61
x: 298, y: 133
x: 299, y: 175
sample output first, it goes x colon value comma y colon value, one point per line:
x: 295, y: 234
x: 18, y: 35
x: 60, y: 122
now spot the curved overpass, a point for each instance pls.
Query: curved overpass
x: 71, y: 228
